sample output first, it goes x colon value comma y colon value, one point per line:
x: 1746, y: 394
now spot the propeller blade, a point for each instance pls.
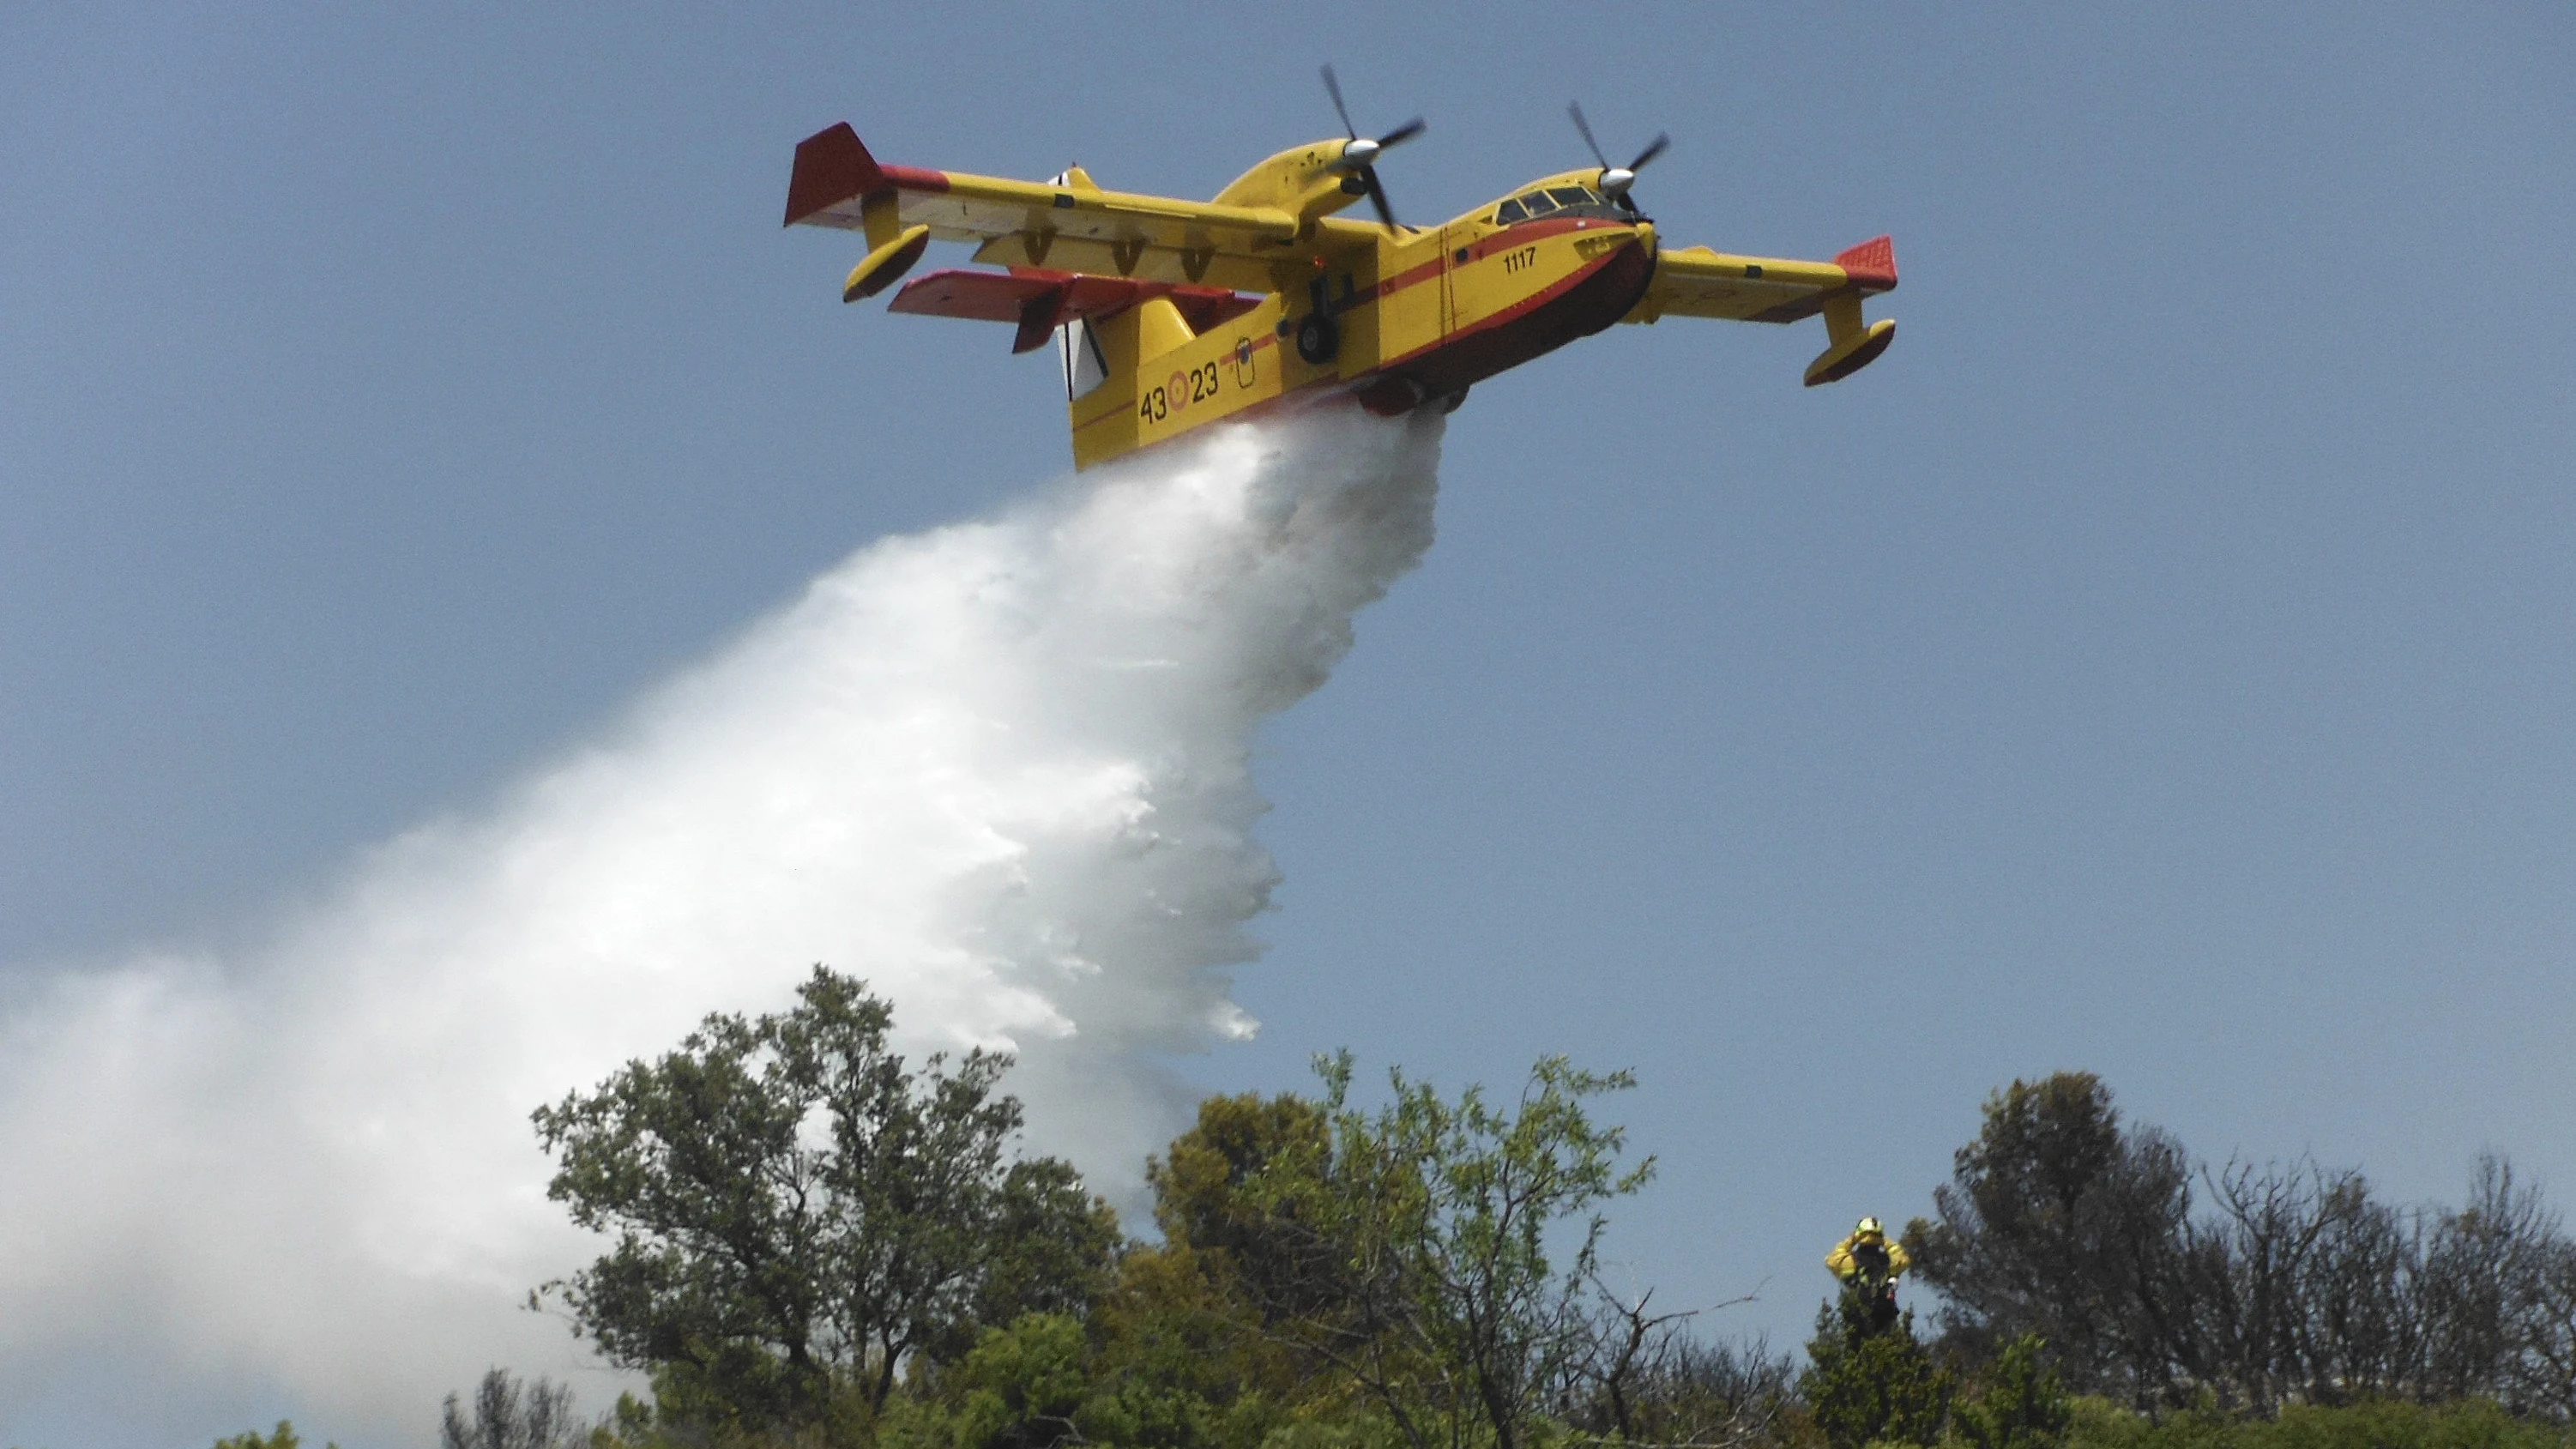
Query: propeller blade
x: 1377, y: 198
x: 1333, y: 87
x: 1575, y: 109
x: 1359, y: 156
x: 1617, y: 179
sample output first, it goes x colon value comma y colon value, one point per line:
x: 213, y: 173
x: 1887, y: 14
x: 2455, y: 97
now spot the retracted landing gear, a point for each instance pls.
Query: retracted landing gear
x: 1318, y: 338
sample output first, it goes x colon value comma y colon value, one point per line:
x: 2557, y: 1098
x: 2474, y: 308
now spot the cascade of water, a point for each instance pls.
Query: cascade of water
x: 999, y: 769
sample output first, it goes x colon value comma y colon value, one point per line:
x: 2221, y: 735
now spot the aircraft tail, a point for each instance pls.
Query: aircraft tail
x: 832, y: 166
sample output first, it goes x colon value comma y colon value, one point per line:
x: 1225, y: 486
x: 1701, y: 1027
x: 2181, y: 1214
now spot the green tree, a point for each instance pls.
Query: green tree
x: 1022, y: 1387
x: 1046, y: 1381
x: 797, y: 1214
x: 511, y: 1414
x: 1220, y: 1190
x: 1185, y: 1347
x: 1864, y: 1386
x: 282, y: 1437
x: 1431, y: 1220
x: 2060, y: 1222
x: 2018, y: 1403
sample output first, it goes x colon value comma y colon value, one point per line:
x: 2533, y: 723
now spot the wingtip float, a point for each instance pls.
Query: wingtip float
x: 1171, y: 314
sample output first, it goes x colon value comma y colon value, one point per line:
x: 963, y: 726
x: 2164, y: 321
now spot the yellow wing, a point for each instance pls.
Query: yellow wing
x: 1068, y: 225
x: 1698, y: 282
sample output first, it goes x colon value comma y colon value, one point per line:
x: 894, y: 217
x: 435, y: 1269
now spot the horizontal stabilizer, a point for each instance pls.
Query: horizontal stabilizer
x: 1039, y: 301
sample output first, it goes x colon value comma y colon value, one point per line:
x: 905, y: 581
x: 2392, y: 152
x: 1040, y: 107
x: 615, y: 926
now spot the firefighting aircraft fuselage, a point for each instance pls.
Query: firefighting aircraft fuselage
x: 1170, y: 314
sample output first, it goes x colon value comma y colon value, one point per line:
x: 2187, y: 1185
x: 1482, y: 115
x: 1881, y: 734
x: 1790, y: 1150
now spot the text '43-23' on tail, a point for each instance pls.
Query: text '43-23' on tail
x: 1169, y: 314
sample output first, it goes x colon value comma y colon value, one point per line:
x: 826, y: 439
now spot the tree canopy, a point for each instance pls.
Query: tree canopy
x: 2163, y: 1282
x: 796, y: 1212
x: 813, y: 1242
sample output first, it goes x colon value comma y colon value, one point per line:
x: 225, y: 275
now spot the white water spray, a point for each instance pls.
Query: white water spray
x: 999, y: 769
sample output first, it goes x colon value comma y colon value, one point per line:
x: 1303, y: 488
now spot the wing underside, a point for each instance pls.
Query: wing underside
x: 1038, y: 302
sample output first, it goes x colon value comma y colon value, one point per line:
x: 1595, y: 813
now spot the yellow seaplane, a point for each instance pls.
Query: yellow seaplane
x: 1170, y: 314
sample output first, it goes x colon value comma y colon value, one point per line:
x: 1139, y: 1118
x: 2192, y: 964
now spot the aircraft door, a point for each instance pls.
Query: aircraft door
x: 1452, y: 238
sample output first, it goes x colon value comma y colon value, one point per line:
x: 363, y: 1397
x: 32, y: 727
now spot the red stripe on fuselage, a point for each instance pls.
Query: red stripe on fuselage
x: 914, y: 178
x: 1519, y: 235
x: 1522, y: 233
x: 1610, y: 284
x: 1392, y: 285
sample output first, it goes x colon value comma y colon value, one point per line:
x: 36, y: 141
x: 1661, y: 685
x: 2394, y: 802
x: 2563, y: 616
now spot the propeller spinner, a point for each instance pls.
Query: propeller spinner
x: 1615, y: 180
x: 1359, y: 154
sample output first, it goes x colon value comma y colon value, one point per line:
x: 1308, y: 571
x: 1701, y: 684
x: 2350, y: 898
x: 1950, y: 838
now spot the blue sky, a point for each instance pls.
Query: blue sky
x: 2159, y: 663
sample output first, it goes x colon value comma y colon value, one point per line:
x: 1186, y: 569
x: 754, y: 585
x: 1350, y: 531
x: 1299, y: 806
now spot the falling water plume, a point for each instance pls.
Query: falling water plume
x: 999, y: 769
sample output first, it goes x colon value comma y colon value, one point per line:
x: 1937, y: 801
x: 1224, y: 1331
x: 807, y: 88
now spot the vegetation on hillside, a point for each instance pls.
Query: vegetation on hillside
x: 812, y: 1242
x: 2160, y: 1282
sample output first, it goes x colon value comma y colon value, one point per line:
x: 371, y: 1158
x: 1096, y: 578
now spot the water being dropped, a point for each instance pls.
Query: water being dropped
x: 999, y: 769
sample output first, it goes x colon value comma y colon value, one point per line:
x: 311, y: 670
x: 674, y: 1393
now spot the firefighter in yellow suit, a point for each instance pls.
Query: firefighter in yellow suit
x: 1869, y: 1265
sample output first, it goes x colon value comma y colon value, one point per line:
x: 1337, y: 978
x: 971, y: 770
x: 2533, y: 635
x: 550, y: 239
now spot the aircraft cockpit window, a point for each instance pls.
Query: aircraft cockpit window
x: 1509, y: 212
x: 1537, y: 203
x: 1574, y: 196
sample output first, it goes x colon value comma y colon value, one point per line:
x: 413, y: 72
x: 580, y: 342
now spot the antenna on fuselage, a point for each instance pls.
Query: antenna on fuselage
x: 1359, y: 154
x: 1614, y: 181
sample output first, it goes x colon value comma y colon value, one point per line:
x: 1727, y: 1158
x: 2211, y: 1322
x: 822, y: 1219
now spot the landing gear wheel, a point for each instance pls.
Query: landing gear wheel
x: 1318, y: 339
x: 1449, y: 404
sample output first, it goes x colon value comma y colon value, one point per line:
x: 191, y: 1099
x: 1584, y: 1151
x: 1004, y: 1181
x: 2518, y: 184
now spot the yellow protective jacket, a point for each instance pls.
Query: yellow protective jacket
x: 1854, y: 1259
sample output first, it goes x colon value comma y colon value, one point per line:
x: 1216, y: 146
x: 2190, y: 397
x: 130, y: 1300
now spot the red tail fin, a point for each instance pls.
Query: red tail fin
x: 831, y: 167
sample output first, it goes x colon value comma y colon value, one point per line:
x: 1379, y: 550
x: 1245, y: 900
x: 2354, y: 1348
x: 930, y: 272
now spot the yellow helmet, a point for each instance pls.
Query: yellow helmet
x: 1869, y: 1228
